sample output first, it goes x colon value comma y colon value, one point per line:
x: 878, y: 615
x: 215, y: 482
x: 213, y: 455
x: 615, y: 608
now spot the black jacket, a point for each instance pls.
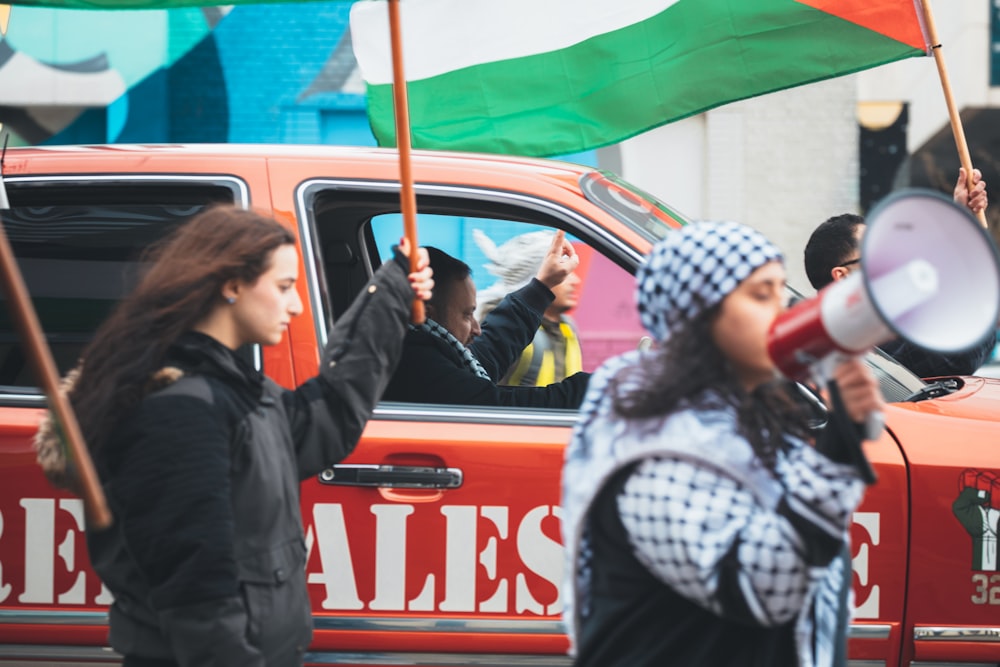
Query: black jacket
x: 206, y: 554
x: 926, y: 364
x: 634, y: 619
x: 431, y: 371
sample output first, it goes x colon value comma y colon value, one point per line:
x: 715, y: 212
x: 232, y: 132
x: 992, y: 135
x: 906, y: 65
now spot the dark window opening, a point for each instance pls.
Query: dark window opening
x: 78, y: 248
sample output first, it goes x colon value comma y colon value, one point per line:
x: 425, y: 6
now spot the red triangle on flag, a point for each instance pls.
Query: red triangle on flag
x: 896, y: 19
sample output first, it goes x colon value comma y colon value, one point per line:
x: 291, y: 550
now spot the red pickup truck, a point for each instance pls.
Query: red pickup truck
x: 438, y: 541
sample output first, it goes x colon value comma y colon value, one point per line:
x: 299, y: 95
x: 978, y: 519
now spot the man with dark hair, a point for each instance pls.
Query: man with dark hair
x: 833, y: 252
x: 832, y: 249
x: 451, y: 359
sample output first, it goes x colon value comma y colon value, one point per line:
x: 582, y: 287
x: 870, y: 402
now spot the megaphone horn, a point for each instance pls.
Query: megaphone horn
x: 929, y: 274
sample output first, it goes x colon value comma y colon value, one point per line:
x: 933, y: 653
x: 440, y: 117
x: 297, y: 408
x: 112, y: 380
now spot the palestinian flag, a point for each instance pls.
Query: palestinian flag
x: 553, y: 77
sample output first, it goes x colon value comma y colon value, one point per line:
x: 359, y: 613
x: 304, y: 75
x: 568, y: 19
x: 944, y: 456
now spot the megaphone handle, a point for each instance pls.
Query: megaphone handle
x: 870, y: 430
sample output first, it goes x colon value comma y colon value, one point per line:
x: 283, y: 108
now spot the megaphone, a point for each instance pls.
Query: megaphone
x: 929, y: 274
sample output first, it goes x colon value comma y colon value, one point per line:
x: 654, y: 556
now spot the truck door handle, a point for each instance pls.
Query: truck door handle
x: 392, y: 476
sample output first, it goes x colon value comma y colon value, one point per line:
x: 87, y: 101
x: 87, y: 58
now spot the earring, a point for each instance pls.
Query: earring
x: 230, y: 300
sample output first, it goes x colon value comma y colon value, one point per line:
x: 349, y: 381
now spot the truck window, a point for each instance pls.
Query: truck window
x: 78, y: 249
x: 604, y: 316
x: 348, y: 229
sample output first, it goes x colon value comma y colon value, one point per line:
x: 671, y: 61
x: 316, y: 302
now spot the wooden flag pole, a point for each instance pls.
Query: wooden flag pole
x: 949, y: 98
x: 30, y: 331
x: 408, y: 199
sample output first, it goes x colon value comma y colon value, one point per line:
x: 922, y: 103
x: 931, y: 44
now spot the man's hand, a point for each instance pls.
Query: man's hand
x: 421, y: 280
x: 560, y: 261
x: 974, y: 199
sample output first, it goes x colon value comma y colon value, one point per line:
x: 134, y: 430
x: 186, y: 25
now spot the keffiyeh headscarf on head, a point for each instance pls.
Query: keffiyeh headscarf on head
x: 514, y: 263
x: 693, y: 269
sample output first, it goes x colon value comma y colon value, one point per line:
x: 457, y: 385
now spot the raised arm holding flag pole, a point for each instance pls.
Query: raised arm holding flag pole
x: 949, y: 98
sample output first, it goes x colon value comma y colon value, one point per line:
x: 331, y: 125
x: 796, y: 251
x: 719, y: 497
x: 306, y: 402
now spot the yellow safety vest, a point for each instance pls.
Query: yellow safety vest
x: 538, y: 365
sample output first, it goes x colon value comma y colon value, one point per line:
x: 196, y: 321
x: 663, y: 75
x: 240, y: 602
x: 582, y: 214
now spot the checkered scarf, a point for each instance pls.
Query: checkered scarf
x: 687, y: 272
x: 700, y: 453
x: 694, y: 268
x: 468, y: 359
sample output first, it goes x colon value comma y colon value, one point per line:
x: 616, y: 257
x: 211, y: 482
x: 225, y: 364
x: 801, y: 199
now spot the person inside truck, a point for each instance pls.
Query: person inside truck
x: 702, y: 524
x: 451, y: 359
x: 833, y: 252
x: 554, y: 353
x: 201, y: 455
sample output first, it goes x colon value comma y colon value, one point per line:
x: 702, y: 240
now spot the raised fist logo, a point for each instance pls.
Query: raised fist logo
x: 978, y: 509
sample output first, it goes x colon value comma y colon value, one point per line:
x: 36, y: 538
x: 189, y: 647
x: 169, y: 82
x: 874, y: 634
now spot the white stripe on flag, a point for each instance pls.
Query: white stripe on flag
x: 444, y: 35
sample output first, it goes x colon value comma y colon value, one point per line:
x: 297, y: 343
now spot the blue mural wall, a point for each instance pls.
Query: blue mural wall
x: 261, y: 73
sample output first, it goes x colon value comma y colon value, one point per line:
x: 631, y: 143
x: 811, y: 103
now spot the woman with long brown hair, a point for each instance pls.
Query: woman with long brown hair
x: 201, y: 455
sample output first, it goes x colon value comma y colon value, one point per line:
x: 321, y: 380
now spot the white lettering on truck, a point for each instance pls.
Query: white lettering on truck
x: 869, y: 521
x: 538, y: 559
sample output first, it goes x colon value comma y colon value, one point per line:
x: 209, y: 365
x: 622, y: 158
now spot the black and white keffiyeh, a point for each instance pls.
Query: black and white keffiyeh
x: 692, y: 269
x: 697, y: 492
x: 438, y: 331
x: 746, y: 517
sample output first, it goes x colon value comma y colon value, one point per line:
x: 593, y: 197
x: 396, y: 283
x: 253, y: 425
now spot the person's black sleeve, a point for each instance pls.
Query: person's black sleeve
x: 426, y: 376
x: 926, y: 364
x: 510, y: 327
x: 328, y: 412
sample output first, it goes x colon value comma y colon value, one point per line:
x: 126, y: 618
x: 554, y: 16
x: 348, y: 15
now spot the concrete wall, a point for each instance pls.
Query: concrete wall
x: 781, y: 163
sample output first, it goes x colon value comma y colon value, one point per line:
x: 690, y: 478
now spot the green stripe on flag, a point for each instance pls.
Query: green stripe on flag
x: 695, y: 55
